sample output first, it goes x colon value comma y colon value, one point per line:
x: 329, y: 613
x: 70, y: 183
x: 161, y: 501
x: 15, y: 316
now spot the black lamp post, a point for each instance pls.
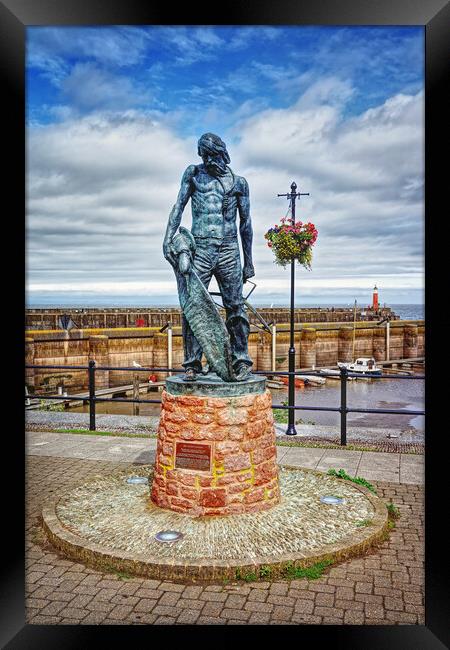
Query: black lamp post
x: 291, y: 430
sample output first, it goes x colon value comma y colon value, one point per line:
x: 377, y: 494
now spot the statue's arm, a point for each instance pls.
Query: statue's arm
x: 177, y: 210
x: 245, y: 228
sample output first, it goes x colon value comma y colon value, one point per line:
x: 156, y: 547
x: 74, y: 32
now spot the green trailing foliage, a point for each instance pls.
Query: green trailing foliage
x: 355, y: 479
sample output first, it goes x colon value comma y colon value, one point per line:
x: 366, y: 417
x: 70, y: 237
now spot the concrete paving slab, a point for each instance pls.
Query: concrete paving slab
x: 306, y: 457
x: 380, y: 466
x: 347, y: 464
x: 412, y: 469
x: 281, y: 453
x: 379, y: 461
x: 380, y: 475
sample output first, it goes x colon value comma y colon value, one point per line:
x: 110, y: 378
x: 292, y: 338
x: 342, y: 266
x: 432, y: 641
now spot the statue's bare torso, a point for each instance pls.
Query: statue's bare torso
x: 209, y: 217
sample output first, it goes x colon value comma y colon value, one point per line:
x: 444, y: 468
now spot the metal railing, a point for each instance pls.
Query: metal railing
x: 343, y: 409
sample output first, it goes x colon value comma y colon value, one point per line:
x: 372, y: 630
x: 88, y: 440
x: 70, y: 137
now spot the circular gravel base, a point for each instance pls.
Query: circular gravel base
x: 111, y: 524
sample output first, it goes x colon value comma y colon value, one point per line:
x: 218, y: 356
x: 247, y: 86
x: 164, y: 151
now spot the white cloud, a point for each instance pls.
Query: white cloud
x: 100, y: 190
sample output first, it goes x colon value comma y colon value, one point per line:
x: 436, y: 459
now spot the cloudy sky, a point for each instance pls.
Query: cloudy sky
x: 113, y: 118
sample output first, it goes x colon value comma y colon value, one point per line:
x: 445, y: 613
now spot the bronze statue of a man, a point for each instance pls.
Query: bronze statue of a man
x: 217, y: 195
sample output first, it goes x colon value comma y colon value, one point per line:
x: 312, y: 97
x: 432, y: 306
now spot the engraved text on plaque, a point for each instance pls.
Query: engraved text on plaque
x: 190, y: 455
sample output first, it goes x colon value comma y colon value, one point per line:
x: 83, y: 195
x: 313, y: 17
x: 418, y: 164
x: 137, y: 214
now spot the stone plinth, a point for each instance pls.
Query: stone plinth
x: 216, y: 452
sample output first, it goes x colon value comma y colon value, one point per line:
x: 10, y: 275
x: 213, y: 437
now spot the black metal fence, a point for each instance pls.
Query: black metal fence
x: 343, y: 409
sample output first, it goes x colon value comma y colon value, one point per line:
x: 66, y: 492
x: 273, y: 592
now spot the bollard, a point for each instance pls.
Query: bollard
x: 169, y: 348
x: 274, y: 347
x: 135, y: 393
x: 343, y: 409
x: 91, y: 373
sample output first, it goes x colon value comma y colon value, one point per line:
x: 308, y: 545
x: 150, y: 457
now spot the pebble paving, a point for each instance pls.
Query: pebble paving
x: 113, y: 513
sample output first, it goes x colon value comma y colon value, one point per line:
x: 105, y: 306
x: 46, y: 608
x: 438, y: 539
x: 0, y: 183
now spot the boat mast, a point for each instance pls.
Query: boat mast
x: 354, y: 331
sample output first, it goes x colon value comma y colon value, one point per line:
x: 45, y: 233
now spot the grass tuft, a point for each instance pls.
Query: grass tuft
x: 355, y: 479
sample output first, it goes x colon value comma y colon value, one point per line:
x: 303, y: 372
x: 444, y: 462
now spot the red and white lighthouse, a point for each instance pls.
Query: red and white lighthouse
x: 375, y: 298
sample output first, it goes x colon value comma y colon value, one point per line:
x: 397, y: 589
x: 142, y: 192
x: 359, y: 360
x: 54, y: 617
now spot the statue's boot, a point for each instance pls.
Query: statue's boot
x: 189, y: 375
x: 242, y: 371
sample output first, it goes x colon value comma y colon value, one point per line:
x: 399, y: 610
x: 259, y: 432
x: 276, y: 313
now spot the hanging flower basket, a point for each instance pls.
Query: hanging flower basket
x: 292, y: 240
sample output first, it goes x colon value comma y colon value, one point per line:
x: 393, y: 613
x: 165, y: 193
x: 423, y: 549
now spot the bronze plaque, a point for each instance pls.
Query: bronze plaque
x: 189, y: 455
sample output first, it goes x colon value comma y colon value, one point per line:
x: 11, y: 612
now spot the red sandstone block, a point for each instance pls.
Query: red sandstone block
x: 212, y: 498
x: 175, y: 417
x: 225, y: 480
x: 215, y: 511
x: 245, y: 400
x: 172, y: 488
x: 258, y: 506
x: 255, y: 495
x: 213, y: 432
x: 189, y: 493
x: 267, y: 439
x: 250, y: 445
x: 206, y: 481
x: 237, y: 432
x: 181, y: 503
x: 186, y: 479
x: 263, y: 401
x: 186, y: 433
x: 266, y: 473
x: 161, y: 499
x: 193, y: 510
x: 217, y: 402
x: 236, y: 498
x: 171, y: 427
x: 266, y: 453
x: 164, y: 460
x: 236, y: 462
x: 190, y: 400
x: 246, y: 476
x: 232, y: 416
x: 159, y: 480
x: 167, y: 448
x: 256, y: 429
x: 236, y: 508
x: 273, y: 494
x: 228, y: 447
x: 202, y: 418
x: 237, y: 488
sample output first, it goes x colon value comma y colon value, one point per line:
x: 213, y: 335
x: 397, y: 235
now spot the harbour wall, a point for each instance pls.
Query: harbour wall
x: 316, y: 345
x: 48, y: 319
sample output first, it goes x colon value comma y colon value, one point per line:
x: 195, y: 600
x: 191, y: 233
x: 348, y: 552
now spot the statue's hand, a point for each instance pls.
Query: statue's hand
x: 248, y: 272
x: 167, y: 252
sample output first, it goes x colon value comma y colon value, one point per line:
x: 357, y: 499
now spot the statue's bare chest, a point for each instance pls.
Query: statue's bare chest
x: 206, y: 184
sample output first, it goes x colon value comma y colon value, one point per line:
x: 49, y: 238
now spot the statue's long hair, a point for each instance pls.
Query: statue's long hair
x: 212, y: 143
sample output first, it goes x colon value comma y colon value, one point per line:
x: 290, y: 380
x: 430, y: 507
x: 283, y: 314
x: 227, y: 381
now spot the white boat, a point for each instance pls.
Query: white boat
x: 364, y: 366
x: 332, y: 374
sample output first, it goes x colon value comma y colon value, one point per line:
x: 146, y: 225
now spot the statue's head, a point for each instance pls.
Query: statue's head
x: 214, y: 154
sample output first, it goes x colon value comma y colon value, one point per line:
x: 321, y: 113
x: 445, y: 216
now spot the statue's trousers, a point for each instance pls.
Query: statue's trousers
x: 221, y: 258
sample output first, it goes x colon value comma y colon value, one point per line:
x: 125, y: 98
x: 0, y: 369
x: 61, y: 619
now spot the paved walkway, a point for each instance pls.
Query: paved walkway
x: 374, y: 466
x: 384, y: 587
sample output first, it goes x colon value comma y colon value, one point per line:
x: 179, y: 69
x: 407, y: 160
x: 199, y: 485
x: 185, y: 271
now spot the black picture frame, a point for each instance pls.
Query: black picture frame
x: 434, y: 15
